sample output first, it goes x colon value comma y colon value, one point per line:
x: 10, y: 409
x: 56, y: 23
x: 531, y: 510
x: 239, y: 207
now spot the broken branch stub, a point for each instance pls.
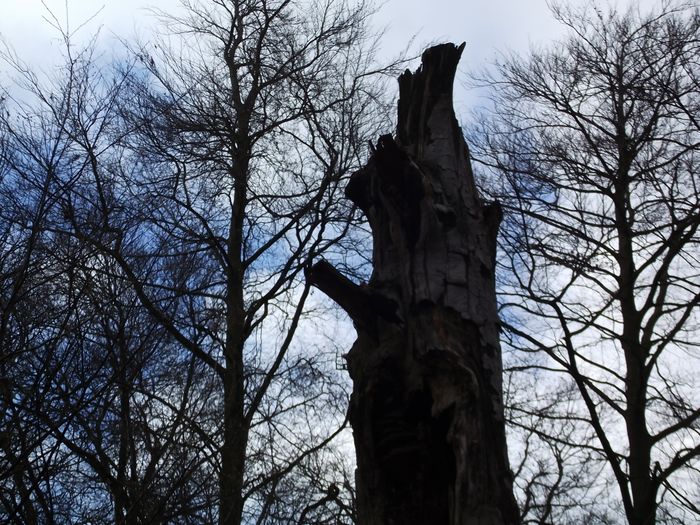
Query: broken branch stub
x: 426, y: 408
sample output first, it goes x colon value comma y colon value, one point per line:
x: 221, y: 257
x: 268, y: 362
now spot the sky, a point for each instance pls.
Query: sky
x: 485, y: 25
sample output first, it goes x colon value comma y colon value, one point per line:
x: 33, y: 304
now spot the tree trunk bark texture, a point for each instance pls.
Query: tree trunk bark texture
x: 426, y: 408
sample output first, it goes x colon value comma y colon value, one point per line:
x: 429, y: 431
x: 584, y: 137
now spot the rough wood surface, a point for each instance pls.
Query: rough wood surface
x: 426, y: 408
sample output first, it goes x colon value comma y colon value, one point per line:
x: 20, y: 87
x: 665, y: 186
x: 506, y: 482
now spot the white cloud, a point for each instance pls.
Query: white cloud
x: 485, y: 26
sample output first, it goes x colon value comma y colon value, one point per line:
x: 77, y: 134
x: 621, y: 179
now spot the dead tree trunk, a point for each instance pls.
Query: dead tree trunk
x: 426, y: 408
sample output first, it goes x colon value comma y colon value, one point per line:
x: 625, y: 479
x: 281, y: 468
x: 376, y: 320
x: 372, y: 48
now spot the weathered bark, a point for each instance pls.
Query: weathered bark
x: 426, y: 408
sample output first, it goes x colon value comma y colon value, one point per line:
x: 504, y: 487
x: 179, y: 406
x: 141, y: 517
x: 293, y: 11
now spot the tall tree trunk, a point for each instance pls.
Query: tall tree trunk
x: 642, y: 485
x: 236, y: 427
x: 426, y: 408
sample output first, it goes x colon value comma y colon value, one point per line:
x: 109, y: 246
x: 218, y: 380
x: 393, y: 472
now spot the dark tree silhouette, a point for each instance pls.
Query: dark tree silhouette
x: 426, y: 408
x: 185, y: 191
x: 595, y: 144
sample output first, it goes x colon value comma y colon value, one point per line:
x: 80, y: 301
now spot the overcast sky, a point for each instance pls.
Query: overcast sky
x: 483, y: 23
x: 487, y: 26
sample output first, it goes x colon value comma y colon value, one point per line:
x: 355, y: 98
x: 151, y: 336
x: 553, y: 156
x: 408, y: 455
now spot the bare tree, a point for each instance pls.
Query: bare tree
x: 189, y: 189
x: 96, y: 428
x: 235, y: 144
x: 30, y: 320
x: 593, y: 146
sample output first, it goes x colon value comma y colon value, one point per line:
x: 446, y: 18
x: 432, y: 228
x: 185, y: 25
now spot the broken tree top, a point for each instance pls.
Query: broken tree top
x: 432, y: 85
x: 426, y: 408
x: 431, y: 233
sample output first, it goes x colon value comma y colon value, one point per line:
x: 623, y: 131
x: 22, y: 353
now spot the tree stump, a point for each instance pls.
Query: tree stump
x: 426, y: 408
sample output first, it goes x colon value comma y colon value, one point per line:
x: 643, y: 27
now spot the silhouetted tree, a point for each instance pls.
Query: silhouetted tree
x: 594, y: 149
x: 189, y: 188
x: 242, y: 142
x: 427, y: 406
x: 95, y: 405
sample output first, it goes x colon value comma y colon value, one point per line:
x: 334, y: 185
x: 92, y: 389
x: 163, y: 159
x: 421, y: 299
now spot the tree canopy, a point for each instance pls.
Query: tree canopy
x: 593, y: 147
